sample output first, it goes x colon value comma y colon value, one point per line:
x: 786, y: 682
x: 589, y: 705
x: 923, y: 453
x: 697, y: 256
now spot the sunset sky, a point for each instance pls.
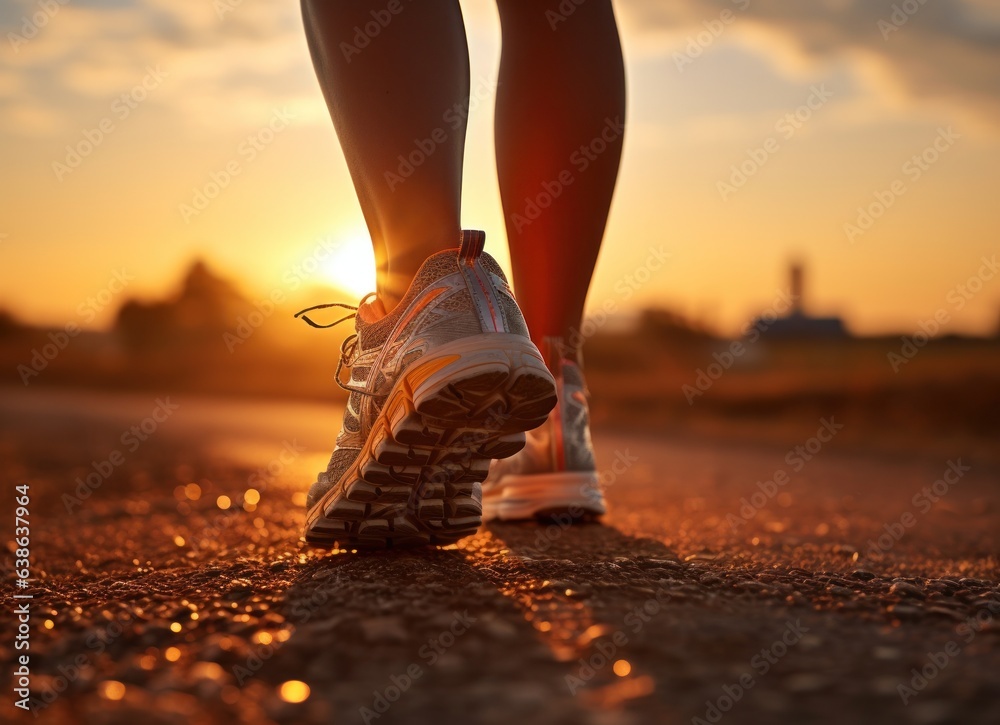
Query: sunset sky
x: 872, y: 90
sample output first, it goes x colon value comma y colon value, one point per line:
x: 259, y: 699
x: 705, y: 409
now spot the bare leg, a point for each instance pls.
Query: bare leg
x: 560, y: 89
x: 384, y: 98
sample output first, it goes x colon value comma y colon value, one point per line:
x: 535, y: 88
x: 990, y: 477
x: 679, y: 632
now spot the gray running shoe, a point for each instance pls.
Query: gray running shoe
x: 440, y: 386
x: 555, y: 472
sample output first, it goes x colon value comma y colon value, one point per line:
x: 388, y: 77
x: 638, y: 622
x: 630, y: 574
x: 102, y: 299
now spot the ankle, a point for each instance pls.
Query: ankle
x: 407, y: 255
x: 557, y: 349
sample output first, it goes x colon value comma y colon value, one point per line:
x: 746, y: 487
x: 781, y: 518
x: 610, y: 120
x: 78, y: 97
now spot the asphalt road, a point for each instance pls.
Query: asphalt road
x: 848, y: 587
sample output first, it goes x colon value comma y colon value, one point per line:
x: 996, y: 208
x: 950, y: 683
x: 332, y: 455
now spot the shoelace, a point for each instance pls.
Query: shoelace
x: 350, y: 344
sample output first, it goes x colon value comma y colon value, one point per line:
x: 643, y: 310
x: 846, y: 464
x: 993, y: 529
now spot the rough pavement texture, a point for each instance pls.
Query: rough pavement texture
x: 663, y: 614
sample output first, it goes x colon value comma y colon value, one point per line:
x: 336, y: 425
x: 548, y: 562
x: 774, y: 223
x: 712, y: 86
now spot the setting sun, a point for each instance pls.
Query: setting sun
x: 351, y: 266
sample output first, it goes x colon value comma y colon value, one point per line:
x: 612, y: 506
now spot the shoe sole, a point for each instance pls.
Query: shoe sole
x: 417, y: 480
x: 545, y: 496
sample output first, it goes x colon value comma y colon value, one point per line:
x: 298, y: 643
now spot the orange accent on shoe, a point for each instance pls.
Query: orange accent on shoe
x: 420, y: 373
x: 489, y: 301
x: 422, y: 303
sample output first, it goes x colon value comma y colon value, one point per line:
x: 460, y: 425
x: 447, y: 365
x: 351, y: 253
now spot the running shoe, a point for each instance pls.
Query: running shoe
x: 440, y: 386
x: 554, y: 474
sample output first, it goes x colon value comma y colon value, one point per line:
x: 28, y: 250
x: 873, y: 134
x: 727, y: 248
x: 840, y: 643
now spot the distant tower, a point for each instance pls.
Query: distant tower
x: 796, y: 274
x: 798, y: 324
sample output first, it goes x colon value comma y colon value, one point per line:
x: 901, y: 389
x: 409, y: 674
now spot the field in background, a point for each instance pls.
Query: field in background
x: 660, y: 373
x: 944, y: 398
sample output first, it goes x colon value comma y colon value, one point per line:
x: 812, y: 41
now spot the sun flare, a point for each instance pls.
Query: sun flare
x: 351, y: 266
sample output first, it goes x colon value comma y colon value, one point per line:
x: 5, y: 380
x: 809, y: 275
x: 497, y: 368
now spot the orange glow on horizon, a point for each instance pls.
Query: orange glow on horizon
x: 690, y: 128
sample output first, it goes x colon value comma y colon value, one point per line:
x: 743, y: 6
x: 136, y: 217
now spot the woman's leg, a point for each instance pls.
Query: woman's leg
x: 389, y: 78
x: 559, y: 125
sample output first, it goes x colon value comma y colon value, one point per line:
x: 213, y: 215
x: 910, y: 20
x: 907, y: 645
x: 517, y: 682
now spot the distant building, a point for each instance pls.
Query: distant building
x: 798, y: 323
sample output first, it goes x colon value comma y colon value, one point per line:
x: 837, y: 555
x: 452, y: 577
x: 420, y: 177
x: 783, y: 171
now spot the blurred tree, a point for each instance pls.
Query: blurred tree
x: 10, y: 326
x: 668, y: 326
x: 199, y: 314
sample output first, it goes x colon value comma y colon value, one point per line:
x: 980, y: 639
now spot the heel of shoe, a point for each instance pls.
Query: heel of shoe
x: 492, y: 382
x: 418, y: 477
x: 545, y: 495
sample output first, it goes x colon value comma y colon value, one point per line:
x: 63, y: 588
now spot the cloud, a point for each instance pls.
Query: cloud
x: 945, y: 54
x: 228, y: 63
x: 231, y: 61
